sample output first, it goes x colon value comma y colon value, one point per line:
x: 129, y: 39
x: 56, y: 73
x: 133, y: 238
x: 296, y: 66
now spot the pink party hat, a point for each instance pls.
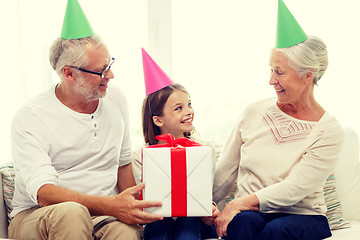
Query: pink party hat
x: 155, y: 78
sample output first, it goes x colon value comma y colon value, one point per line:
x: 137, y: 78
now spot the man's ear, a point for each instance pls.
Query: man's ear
x: 68, y: 73
x: 157, y: 121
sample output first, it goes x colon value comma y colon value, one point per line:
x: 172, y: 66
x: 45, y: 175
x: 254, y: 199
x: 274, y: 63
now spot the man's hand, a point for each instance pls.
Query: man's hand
x: 123, y: 206
x: 129, y: 210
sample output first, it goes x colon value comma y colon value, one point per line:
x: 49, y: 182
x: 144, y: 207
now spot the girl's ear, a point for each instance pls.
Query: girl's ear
x: 157, y: 121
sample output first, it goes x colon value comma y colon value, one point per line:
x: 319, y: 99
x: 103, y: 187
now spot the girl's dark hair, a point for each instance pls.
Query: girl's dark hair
x: 153, y: 105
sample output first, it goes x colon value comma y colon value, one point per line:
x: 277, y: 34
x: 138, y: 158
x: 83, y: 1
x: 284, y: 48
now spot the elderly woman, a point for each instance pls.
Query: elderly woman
x: 281, y: 152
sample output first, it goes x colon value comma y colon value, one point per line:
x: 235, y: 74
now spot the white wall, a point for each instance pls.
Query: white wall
x: 218, y: 49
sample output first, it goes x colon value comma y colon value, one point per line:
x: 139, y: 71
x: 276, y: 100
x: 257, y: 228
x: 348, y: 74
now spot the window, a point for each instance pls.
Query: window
x: 218, y: 49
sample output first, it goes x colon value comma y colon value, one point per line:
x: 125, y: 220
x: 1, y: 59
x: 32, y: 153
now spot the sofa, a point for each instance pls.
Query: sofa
x: 347, y: 174
x: 341, y: 191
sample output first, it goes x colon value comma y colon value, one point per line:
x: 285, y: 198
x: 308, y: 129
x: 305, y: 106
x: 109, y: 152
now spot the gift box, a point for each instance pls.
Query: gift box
x: 178, y: 174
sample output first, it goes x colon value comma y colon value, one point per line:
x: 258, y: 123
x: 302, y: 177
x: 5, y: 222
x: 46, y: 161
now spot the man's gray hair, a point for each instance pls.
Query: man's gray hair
x: 71, y: 52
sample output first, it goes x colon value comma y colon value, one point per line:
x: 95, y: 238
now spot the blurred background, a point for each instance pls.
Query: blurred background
x: 218, y: 49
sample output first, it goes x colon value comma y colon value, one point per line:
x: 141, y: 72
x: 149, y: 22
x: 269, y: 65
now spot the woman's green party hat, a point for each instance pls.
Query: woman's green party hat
x: 75, y: 23
x: 289, y: 32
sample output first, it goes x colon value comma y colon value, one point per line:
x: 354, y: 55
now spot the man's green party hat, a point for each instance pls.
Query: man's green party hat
x: 75, y: 23
x: 289, y: 32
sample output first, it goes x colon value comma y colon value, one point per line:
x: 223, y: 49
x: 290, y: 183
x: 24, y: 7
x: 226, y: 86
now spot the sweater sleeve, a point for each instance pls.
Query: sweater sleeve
x: 126, y: 152
x: 137, y: 165
x: 314, y: 167
x: 226, y: 170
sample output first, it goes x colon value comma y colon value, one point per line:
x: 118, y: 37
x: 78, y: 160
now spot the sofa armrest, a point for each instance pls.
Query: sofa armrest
x: 347, y: 172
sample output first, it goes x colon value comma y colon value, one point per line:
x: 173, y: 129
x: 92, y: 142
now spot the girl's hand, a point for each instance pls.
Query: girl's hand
x: 210, y: 220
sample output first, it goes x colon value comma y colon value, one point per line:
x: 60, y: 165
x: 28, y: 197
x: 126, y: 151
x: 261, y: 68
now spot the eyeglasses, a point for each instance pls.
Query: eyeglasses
x: 102, y: 74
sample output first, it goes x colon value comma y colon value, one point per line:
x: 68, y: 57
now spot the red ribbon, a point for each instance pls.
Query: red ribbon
x: 178, y: 171
x: 178, y: 182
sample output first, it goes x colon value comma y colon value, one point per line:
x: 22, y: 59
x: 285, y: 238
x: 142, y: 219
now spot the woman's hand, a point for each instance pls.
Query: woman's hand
x: 210, y: 220
x: 247, y: 203
x: 225, y: 217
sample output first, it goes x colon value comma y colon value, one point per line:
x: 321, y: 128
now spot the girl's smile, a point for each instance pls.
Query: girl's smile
x: 178, y: 115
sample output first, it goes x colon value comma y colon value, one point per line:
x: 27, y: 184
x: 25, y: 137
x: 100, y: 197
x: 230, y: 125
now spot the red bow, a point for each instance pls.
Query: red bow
x: 170, y: 141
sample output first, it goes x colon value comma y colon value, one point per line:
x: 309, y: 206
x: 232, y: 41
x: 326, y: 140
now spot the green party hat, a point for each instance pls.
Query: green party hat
x: 289, y: 32
x: 75, y: 23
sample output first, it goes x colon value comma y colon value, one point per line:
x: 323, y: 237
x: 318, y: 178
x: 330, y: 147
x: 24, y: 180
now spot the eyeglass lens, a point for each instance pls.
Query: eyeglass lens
x: 105, y: 72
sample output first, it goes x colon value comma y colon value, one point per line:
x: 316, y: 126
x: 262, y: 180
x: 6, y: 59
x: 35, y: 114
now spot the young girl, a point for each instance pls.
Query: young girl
x: 169, y: 110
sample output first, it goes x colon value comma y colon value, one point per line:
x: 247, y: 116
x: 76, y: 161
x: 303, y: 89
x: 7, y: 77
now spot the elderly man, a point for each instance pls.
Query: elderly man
x: 71, y: 149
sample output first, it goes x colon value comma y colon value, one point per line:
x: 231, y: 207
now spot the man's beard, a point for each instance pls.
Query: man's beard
x: 82, y: 88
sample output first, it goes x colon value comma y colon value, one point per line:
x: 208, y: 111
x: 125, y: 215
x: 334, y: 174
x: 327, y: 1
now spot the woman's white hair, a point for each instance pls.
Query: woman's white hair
x: 71, y: 52
x: 310, y: 55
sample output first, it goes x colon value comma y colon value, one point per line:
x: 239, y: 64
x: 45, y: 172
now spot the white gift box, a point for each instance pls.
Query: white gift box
x: 183, y: 184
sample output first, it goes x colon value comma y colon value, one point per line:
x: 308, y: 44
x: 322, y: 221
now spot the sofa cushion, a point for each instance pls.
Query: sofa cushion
x: 8, y: 174
x: 334, y: 212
